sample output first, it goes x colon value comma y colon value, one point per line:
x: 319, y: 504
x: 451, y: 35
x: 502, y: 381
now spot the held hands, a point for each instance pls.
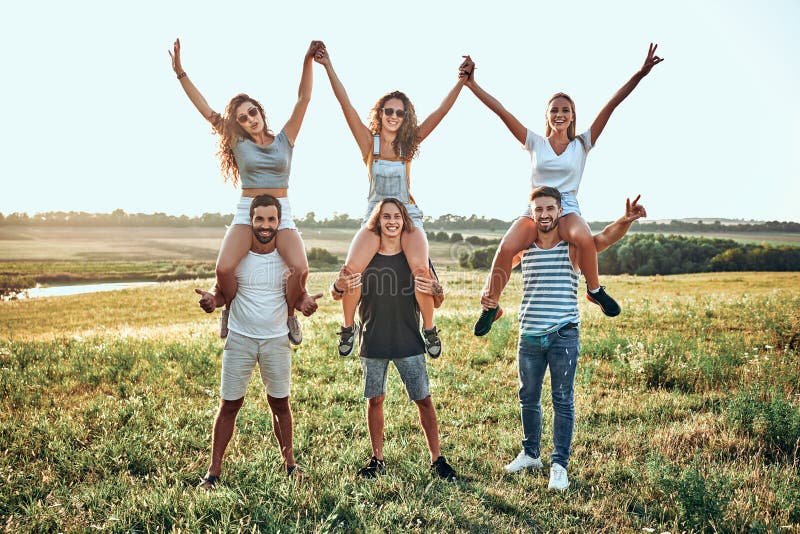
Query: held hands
x: 176, y: 57
x: 321, y: 54
x: 633, y: 210
x: 651, y: 60
x: 313, y: 48
x: 466, y: 71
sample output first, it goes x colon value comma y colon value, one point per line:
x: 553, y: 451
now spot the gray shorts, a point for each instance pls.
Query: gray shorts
x: 242, y: 353
x: 413, y: 373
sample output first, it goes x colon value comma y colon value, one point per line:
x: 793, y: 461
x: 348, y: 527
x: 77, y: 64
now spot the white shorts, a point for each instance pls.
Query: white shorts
x: 274, y: 358
x: 569, y: 204
x: 242, y: 215
x: 413, y: 211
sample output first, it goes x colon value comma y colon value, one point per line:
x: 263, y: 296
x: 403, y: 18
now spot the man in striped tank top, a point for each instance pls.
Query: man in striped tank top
x: 548, y: 330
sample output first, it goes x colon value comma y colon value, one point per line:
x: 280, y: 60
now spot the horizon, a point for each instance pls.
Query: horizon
x: 704, y: 220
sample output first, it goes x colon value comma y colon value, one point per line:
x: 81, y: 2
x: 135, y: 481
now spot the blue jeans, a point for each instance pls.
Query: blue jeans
x: 558, y: 350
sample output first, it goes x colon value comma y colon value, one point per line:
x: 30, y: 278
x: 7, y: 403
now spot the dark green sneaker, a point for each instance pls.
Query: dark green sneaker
x: 374, y: 468
x: 484, y: 323
x: 443, y: 470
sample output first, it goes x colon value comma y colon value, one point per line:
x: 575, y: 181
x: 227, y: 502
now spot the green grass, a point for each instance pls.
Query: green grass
x: 688, y: 418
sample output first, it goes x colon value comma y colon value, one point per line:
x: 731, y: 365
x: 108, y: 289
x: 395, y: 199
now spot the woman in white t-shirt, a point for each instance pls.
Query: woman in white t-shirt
x: 557, y: 160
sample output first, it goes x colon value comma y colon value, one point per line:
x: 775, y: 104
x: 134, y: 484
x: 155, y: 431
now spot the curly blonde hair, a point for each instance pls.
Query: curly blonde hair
x: 231, y: 132
x: 406, y: 144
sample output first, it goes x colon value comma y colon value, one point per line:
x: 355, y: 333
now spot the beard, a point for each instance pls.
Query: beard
x: 546, y: 230
x: 264, y: 239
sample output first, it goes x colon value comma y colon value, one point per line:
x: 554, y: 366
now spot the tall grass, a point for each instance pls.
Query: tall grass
x: 687, y: 418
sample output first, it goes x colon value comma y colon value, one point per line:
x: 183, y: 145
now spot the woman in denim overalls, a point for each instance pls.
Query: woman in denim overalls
x: 387, y: 145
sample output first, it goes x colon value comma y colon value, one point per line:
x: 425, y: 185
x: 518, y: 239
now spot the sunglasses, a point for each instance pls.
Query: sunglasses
x: 243, y: 118
x: 391, y: 111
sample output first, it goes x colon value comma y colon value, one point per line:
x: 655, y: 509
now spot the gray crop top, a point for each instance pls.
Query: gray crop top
x: 265, y: 167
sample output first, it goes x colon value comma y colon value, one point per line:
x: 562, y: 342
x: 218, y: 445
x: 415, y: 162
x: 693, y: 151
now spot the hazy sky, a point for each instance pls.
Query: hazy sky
x: 95, y: 119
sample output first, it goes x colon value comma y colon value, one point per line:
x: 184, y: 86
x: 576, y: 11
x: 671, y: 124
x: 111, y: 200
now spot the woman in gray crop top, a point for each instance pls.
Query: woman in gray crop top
x: 251, y: 154
x: 387, y: 145
x: 558, y: 160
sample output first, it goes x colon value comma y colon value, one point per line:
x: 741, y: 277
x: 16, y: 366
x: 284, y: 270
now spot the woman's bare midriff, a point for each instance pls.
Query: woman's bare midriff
x: 255, y: 191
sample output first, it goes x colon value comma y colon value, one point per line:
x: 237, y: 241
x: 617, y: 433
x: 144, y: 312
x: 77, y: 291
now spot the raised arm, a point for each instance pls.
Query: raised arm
x: 359, y: 130
x: 516, y: 128
x: 432, y: 121
x: 602, y: 118
x: 188, y: 87
x: 292, y: 127
x: 616, y: 230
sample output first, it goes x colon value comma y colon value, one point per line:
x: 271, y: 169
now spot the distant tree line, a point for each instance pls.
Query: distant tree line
x: 649, y: 254
x: 445, y: 222
x: 679, y: 226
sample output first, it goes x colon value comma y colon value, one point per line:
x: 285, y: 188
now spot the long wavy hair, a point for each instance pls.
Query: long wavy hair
x: 571, y: 127
x: 231, y: 132
x: 406, y: 144
x: 374, y: 221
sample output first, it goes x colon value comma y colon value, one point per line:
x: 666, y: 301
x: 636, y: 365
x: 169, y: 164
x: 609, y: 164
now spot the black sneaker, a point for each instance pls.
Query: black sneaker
x: 606, y: 303
x: 208, y: 483
x: 296, y: 472
x: 374, y: 468
x: 484, y: 322
x: 433, y: 345
x: 347, y: 340
x: 442, y: 469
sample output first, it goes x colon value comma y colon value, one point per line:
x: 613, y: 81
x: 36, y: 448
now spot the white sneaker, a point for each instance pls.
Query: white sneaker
x: 558, y: 478
x: 295, y: 332
x: 523, y: 461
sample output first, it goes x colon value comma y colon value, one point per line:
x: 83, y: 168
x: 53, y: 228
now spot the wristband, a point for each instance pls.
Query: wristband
x: 336, y: 289
x: 182, y: 75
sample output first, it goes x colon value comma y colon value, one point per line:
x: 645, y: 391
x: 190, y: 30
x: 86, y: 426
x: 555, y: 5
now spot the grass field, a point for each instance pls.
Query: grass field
x: 688, y: 418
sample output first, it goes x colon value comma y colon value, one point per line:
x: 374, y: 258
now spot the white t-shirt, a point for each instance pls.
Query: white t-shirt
x: 563, y: 172
x: 259, y: 309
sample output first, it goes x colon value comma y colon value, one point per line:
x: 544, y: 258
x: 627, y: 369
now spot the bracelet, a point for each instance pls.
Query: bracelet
x: 336, y: 289
x: 182, y: 75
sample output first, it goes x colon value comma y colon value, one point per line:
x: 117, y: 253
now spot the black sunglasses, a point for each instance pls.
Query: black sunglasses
x: 243, y: 118
x: 391, y: 111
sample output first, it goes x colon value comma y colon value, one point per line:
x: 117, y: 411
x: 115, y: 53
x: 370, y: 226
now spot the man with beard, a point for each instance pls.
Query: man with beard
x: 257, y: 334
x: 548, y: 330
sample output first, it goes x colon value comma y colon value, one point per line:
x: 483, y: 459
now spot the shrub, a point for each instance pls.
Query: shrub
x: 766, y: 416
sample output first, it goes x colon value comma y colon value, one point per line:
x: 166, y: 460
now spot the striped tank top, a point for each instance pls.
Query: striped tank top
x: 549, y: 290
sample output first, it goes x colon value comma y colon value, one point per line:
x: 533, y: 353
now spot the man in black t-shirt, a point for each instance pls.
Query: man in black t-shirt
x: 390, y: 332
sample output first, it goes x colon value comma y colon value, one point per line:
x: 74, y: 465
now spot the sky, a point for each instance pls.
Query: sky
x: 95, y: 119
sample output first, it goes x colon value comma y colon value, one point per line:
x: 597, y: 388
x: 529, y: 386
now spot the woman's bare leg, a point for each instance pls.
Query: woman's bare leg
x: 363, y: 248
x: 293, y: 251
x: 235, y: 244
x: 518, y: 237
x: 573, y: 229
x: 415, y: 247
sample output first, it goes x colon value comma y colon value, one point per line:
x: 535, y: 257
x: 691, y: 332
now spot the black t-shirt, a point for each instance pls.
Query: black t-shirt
x: 388, y: 310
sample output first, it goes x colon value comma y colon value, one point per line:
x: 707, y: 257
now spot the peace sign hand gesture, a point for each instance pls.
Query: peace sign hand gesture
x: 634, y: 210
x: 651, y: 60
